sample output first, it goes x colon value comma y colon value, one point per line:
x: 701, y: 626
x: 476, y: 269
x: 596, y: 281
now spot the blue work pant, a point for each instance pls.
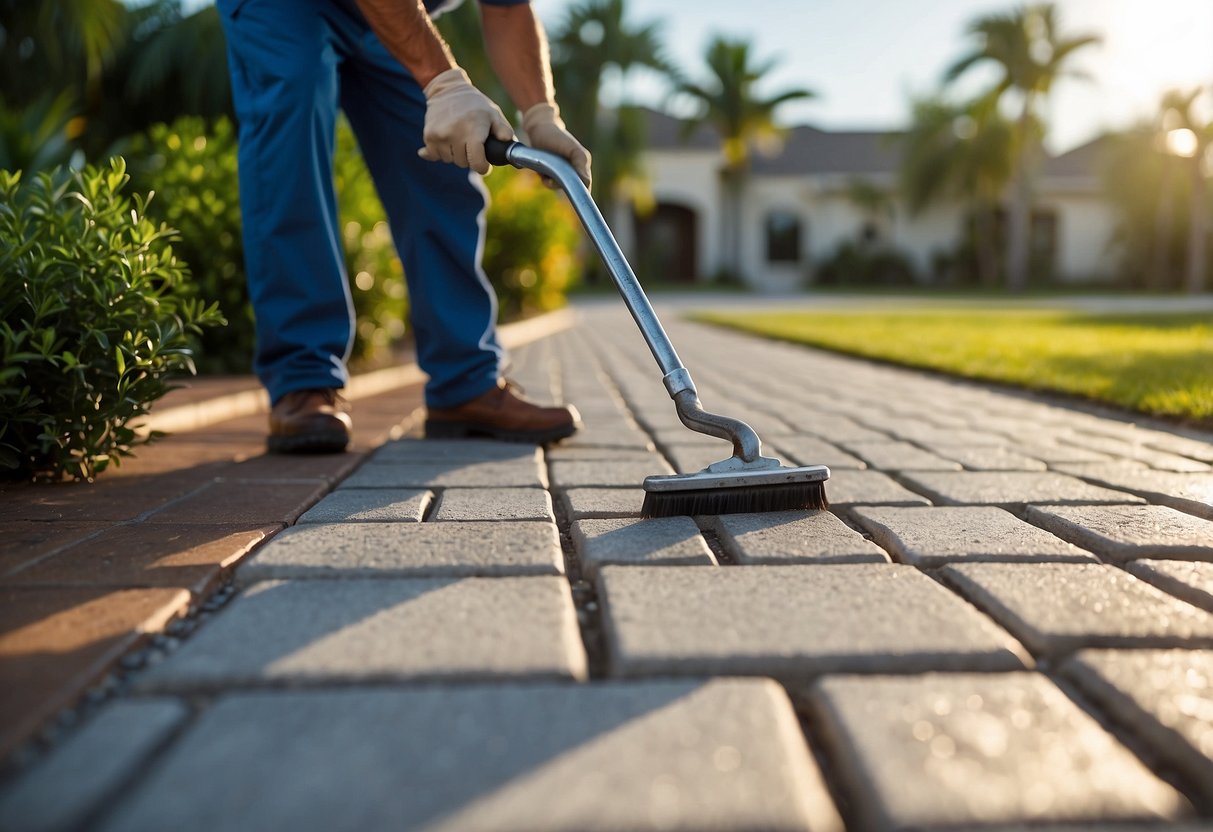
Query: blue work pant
x: 293, y: 63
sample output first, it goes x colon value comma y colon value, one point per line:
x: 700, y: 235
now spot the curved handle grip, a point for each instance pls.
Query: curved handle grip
x: 497, y: 151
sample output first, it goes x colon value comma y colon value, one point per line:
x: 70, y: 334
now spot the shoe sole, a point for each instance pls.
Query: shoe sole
x: 471, y: 430
x: 324, y: 442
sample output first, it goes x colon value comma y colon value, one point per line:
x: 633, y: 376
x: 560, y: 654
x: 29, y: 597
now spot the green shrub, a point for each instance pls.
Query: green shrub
x: 191, y: 169
x: 530, y: 254
x: 191, y: 166
x: 93, y: 320
x: 860, y: 264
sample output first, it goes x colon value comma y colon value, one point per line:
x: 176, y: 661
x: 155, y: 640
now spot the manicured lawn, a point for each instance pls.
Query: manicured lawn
x: 1157, y: 363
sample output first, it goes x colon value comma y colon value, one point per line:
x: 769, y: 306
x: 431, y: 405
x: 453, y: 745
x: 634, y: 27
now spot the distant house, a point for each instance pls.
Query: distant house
x: 798, y: 207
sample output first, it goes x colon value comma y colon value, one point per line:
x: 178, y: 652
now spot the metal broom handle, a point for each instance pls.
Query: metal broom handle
x: 676, y: 378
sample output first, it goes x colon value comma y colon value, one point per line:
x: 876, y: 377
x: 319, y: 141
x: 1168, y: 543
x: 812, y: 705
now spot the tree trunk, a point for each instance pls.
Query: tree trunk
x: 987, y: 246
x: 1194, y: 281
x: 730, y: 220
x: 1020, y: 207
x: 1019, y: 210
x: 1159, y: 268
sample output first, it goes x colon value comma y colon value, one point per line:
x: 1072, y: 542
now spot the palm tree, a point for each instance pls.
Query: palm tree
x: 959, y: 151
x: 591, y: 43
x: 1179, y: 115
x: 1032, y: 55
x: 728, y: 101
x: 53, y: 46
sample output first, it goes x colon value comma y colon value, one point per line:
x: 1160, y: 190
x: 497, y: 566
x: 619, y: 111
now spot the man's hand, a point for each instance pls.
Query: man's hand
x: 546, y: 131
x: 458, y: 119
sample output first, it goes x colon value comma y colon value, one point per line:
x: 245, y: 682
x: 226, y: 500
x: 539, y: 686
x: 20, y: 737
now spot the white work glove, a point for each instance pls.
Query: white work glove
x: 458, y: 119
x: 545, y: 130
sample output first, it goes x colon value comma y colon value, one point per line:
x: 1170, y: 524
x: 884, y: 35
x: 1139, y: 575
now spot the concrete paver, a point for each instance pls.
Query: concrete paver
x: 310, y: 632
x: 582, y: 474
x: 251, y: 502
x: 942, y: 534
x: 190, y: 557
x: 931, y: 434
x: 792, y: 622
x: 809, y: 450
x: 988, y: 457
x: 722, y: 755
x: 362, y: 505
x: 1059, y: 454
x: 1011, y: 488
x: 1181, y: 445
x: 59, y: 792
x: 54, y: 641
x: 494, y: 504
x: 413, y: 550
x: 1192, y: 493
x: 510, y: 473
x: 793, y: 537
x: 965, y: 750
x: 1189, y: 580
x: 899, y: 456
x: 688, y: 459
x: 829, y: 427
x: 454, y: 450
x: 1165, y: 695
x: 869, y: 488
x: 602, y: 502
x: 628, y: 439
x: 1058, y: 607
x: 1129, y: 448
x: 1127, y: 532
x: 664, y: 541
x: 582, y: 453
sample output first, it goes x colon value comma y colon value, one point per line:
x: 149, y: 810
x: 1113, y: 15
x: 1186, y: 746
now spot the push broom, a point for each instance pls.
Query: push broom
x: 745, y: 482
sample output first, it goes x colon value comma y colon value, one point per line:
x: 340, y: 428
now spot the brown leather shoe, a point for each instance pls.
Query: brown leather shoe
x: 309, y: 422
x: 502, y: 414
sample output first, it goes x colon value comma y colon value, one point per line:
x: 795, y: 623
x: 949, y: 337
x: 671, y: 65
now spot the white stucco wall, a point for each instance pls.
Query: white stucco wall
x: 828, y: 217
x: 690, y: 178
x: 762, y: 197
x: 1085, y: 225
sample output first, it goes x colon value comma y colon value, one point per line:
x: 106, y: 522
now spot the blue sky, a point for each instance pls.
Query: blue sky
x: 865, y: 57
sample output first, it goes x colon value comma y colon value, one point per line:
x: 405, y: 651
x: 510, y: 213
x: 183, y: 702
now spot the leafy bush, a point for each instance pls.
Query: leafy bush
x: 93, y: 320
x: 191, y: 166
x: 859, y: 264
x: 530, y: 255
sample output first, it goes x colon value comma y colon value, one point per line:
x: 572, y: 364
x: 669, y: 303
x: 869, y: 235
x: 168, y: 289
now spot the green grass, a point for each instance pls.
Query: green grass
x: 1155, y: 363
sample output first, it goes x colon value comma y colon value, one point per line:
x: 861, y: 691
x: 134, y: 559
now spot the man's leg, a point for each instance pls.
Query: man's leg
x: 436, y: 212
x: 284, y: 61
x: 284, y: 85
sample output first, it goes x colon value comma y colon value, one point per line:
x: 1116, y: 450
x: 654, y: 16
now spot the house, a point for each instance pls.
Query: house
x: 799, y: 205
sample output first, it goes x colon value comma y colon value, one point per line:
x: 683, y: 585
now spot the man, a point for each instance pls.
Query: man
x: 421, y: 126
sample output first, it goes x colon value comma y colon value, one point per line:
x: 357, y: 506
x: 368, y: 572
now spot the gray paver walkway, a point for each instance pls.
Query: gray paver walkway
x: 1004, y: 620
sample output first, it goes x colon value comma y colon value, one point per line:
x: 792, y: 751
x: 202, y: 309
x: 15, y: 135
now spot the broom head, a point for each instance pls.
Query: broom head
x: 770, y: 489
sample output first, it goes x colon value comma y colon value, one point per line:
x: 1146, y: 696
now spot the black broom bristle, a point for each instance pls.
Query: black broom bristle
x: 781, y: 497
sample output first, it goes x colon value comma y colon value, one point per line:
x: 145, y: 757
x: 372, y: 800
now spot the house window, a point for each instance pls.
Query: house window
x: 783, y: 237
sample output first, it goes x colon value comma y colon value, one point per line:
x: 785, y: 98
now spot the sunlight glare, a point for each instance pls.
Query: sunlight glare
x: 1181, y: 142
